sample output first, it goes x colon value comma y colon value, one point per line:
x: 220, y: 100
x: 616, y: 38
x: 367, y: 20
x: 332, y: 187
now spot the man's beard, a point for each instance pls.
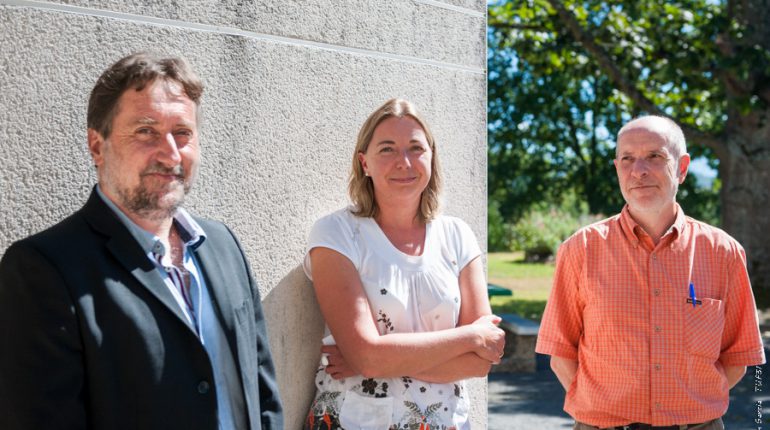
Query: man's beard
x: 153, y: 206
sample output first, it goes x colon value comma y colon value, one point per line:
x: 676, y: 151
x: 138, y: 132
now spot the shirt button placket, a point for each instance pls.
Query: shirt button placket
x: 656, y: 341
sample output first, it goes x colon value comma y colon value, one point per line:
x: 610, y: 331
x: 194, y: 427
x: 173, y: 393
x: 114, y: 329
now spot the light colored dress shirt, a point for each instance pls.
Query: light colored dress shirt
x: 226, y: 380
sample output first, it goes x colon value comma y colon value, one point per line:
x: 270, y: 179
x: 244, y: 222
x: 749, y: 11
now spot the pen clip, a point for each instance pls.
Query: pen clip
x: 692, y: 299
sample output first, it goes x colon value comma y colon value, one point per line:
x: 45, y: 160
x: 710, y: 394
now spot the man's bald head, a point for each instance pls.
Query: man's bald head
x: 662, y: 126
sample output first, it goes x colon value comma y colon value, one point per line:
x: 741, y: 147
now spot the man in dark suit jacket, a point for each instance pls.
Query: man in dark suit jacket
x: 131, y: 313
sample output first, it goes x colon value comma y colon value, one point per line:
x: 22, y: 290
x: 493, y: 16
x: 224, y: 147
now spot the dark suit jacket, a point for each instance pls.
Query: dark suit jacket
x: 90, y: 336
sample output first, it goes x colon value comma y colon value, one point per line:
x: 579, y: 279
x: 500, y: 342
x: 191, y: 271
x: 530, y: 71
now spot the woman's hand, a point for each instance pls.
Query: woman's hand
x: 491, y: 339
x: 490, y: 342
x: 347, y: 312
x: 336, y: 366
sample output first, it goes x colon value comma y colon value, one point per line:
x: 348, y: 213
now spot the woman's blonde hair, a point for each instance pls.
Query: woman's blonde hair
x: 360, y: 187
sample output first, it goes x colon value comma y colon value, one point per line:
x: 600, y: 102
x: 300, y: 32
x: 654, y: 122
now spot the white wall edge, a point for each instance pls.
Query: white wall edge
x: 231, y: 31
x: 460, y: 9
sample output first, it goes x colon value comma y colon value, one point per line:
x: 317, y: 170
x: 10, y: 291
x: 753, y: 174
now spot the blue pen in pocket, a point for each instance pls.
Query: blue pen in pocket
x: 692, y: 293
x: 692, y: 299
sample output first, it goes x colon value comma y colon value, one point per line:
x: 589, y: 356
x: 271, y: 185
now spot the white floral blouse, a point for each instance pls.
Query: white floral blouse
x: 407, y: 294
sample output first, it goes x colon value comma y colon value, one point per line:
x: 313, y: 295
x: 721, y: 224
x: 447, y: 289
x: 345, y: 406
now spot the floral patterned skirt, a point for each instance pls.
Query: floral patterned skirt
x: 387, y: 404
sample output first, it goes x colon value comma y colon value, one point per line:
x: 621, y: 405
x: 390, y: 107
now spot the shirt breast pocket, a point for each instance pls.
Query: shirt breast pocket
x: 704, y: 324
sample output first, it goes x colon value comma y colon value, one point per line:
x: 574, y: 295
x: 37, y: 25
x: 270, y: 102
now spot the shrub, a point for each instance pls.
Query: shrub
x: 498, y: 231
x: 540, y: 232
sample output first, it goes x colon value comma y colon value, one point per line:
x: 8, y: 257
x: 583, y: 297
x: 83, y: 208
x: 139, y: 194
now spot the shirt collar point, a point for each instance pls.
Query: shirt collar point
x: 191, y: 232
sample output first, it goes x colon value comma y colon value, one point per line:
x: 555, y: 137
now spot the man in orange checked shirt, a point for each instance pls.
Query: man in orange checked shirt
x: 651, y: 319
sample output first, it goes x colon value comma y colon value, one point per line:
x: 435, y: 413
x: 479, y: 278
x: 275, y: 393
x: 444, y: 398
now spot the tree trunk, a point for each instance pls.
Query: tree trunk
x: 745, y: 173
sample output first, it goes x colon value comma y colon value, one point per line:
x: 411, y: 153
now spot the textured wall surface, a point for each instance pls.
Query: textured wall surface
x: 288, y: 83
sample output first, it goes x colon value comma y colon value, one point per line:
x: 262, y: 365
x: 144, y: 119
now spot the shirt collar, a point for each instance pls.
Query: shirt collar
x: 633, y: 231
x: 191, y: 233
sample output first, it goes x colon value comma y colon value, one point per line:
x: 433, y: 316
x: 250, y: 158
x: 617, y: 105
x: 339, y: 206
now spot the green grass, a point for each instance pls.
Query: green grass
x: 530, y: 283
x: 532, y: 309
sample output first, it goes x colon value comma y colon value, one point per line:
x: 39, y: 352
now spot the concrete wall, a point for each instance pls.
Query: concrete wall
x: 288, y: 83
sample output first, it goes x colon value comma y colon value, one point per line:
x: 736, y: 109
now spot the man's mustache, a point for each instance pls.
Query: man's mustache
x: 177, y: 170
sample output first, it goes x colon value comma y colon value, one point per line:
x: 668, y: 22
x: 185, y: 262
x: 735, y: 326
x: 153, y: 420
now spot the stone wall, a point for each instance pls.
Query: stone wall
x: 288, y: 84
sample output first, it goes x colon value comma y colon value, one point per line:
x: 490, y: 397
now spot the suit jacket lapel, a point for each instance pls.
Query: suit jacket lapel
x: 216, y: 283
x: 127, y: 251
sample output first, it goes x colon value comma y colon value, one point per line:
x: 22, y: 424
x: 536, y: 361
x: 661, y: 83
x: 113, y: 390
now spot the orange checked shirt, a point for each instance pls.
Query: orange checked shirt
x: 619, y: 306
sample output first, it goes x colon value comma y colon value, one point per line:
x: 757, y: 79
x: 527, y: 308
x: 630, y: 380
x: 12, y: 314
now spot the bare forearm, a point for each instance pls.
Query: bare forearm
x: 465, y: 366
x: 401, y: 354
x: 348, y: 314
x: 565, y: 369
x: 475, y: 303
x: 734, y: 374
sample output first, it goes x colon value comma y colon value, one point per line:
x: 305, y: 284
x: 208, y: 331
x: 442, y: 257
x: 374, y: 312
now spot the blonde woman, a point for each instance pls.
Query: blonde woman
x: 401, y: 288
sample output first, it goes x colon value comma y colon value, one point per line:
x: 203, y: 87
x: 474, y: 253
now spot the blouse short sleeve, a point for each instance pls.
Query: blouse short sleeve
x: 461, y: 238
x: 336, y: 231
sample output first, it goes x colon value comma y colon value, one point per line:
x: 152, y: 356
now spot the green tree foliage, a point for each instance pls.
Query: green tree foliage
x: 565, y: 75
x: 553, y: 112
